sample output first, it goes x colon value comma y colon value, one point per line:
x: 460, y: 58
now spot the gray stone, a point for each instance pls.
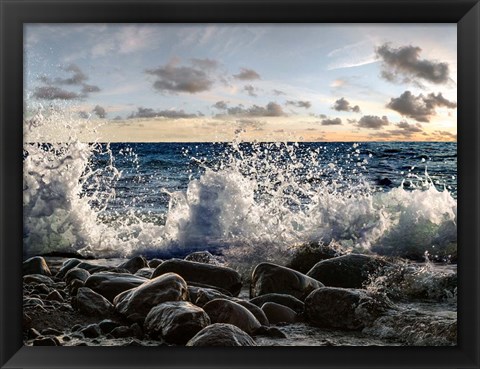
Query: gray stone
x: 66, y: 266
x: 154, y: 263
x: 167, y: 287
x: 306, y: 256
x: 108, y: 325
x: 206, y: 274
x: 282, y: 299
x: 46, y: 341
x: 76, y: 273
x: 271, y: 278
x: 91, y: 331
x: 221, y: 335
x: 176, y: 322
x: 38, y: 279
x: 90, y: 303
x: 342, y: 308
x: 201, y: 295
x: 277, y: 313
x: 226, y: 311
x: 110, y: 284
x: 203, y: 257
x: 36, y: 265
x: 144, y: 272
x: 55, y: 296
x: 348, y: 271
x: 255, y: 310
x: 134, y: 264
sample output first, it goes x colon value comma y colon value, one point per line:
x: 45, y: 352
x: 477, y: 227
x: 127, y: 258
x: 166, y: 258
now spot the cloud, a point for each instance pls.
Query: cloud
x: 221, y: 105
x: 299, y: 104
x: 442, y: 135
x: 99, y: 111
x: 270, y: 110
x: 278, y: 92
x: 151, y: 113
x: 404, y: 65
x: 421, y: 108
x: 190, y: 79
x: 250, y: 90
x: 54, y: 93
x: 405, y: 129
x: 205, y: 63
x: 247, y: 75
x: 343, y: 105
x: 53, y: 88
x: 331, y: 122
x: 373, y: 122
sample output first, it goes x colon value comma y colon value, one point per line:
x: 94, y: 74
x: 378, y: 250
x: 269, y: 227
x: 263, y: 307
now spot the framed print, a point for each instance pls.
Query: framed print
x: 238, y: 184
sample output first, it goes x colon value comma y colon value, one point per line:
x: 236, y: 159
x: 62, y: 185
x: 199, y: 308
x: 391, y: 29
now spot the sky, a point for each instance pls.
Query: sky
x: 264, y: 82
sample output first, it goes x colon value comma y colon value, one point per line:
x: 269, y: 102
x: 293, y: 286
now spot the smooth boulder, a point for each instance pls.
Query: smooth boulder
x: 90, y: 303
x: 139, y: 300
x: 348, y: 271
x: 220, y: 334
x: 279, y: 298
x: 144, y: 272
x: 134, y: 264
x: 36, y: 265
x: 272, y: 278
x: 306, y: 256
x: 176, y: 321
x: 203, y: 257
x: 205, y: 274
x: 277, y: 313
x: 201, y: 295
x: 76, y: 273
x: 110, y: 284
x: 66, y: 266
x: 255, y: 310
x: 342, y: 308
x: 226, y: 311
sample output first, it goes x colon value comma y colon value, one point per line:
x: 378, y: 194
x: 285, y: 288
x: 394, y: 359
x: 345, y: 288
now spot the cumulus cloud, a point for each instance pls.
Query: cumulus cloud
x: 99, y: 111
x: 299, y: 104
x: 343, y: 105
x: 54, y: 93
x: 171, y: 78
x: 54, y: 88
x: 421, y: 108
x: 221, y: 105
x: 373, y: 122
x: 405, y: 129
x: 331, y: 122
x: 270, y: 110
x: 246, y: 74
x: 403, y: 64
x: 250, y: 90
x: 151, y: 113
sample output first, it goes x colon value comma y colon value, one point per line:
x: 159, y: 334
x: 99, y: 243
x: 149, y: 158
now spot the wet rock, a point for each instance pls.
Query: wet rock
x: 55, y: 296
x: 27, y: 321
x: 33, y: 333
x: 277, y: 313
x: 74, y: 286
x: 32, y: 301
x: 176, y: 322
x: 46, y: 341
x: 255, y: 310
x: 91, y: 331
x: 93, y: 268
x: 76, y: 273
x: 122, y: 332
x: 200, y: 296
x: 348, y: 271
x: 271, y: 278
x: 226, y: 311
x: 90, y: 303
x: 220, y: 334
x: 212, y: 275
x: 134, y: 264
x: 139, y: 300
x: 108, y: 325
x: 306, y: 256
x: 144, y: 272
x: 204, y: 257
x: 282, y: 299
x: 342, y: 308
x: 38, y: 279
x: 154, y: 263
x: 36, y: 265
x: 66, y: 266
x: 51, y: 332
x: 110, y: 284
x: 41, y: 289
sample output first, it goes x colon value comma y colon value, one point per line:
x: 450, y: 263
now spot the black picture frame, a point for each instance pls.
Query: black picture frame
x: 14, y: 13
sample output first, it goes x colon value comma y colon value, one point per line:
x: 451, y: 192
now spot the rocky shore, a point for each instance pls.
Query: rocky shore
x: 321, y: 298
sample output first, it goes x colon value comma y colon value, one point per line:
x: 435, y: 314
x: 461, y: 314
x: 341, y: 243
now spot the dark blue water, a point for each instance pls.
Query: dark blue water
x: 152, y: 170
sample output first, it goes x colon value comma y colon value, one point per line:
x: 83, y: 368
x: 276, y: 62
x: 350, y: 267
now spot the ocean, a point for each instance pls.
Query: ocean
x: 246, y: 200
